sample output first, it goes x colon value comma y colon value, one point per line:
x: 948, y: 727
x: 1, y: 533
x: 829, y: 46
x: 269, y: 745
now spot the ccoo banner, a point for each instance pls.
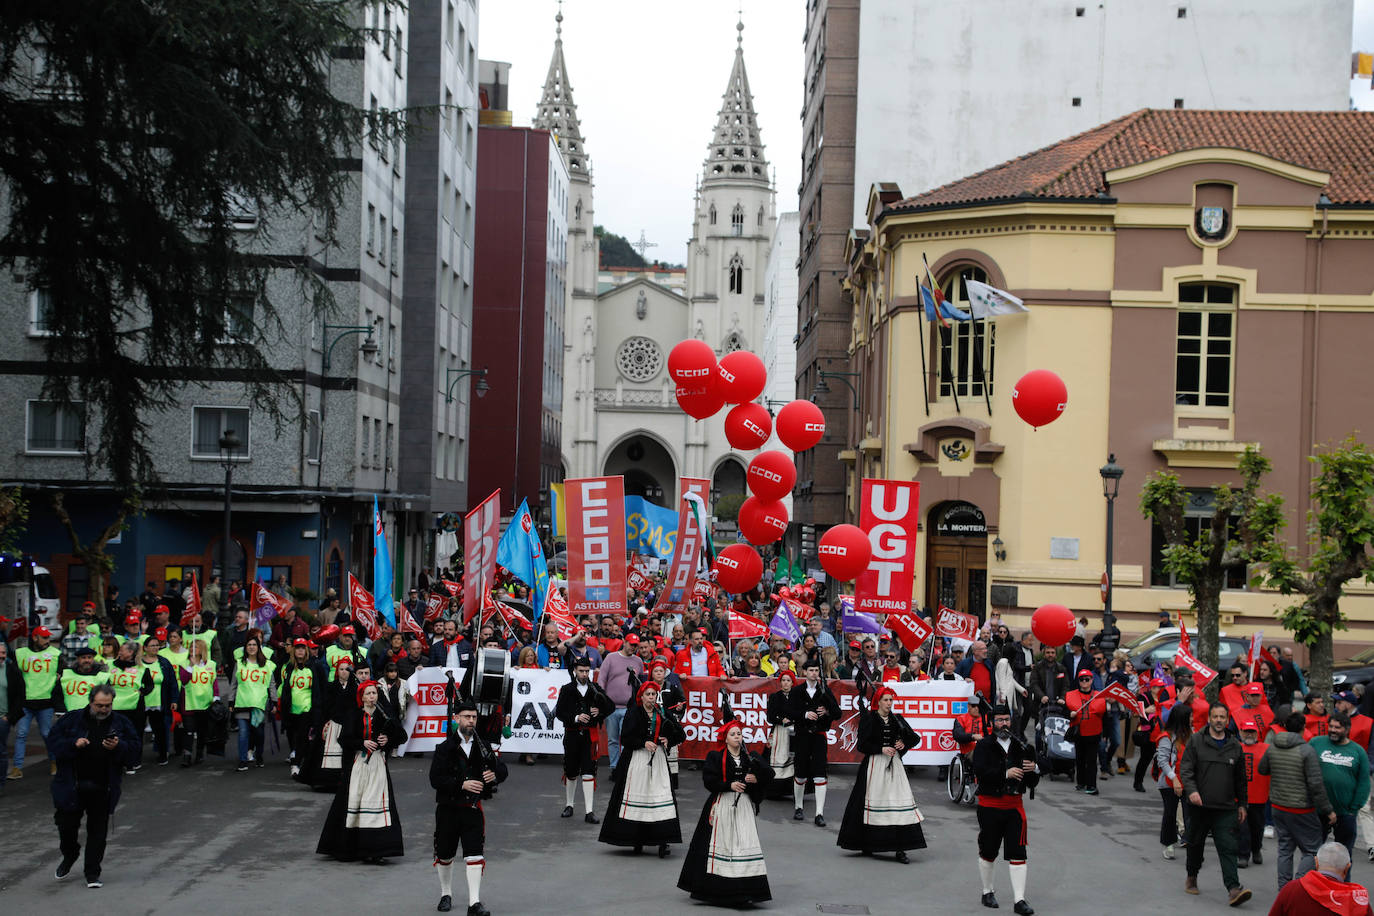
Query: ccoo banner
x: 427, y: 714
x: 890, y: 513
x: 596, y: 545
x: 677, y: 594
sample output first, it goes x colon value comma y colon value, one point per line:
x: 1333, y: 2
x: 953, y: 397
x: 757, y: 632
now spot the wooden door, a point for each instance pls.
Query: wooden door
x: 957, y: 575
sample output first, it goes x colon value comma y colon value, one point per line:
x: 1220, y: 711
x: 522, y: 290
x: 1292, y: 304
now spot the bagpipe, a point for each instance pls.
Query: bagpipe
x: 486, y: 757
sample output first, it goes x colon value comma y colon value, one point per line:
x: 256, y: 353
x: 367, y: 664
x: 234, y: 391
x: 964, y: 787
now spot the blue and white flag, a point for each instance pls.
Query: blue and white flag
x: 381, y: 567
x: 521, y: 552
x: 649, y: 529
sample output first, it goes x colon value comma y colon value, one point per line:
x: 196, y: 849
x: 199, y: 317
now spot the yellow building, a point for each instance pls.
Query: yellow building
x: 1200, y: 280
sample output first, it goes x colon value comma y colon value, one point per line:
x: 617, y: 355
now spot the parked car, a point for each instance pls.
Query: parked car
x: 1229, y: 649
x: 1358, y: 669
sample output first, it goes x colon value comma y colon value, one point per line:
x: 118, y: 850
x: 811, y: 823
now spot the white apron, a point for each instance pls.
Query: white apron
x: 333, y: 754
x: 734, y: 850
x: 369, y: 805
x: 648, y: 796
x: 780, y: 752
x: 888, y: 801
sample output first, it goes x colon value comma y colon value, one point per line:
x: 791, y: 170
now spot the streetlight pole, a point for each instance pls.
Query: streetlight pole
x: 228, y: 445
x: 1111, y: 485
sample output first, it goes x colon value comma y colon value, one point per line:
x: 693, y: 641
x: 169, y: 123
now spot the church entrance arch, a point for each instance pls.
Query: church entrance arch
x: 647, y: 467
x: 957, y: 558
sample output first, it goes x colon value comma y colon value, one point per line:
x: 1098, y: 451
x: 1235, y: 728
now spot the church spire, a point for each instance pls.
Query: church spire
x: 557, y: 112
x: 736, y: 150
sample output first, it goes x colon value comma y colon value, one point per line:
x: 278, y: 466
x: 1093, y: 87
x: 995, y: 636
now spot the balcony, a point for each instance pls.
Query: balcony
x: 637, y: 399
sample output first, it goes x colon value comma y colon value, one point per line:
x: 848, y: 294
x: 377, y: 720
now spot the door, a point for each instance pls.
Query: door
x: 957, y: 559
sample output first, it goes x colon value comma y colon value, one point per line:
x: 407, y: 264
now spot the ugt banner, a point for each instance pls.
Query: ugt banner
x: 676, y: 596
x: 890, y: 512
x: 533, y: 696
x: 929, y: 707
x: 427, y: 714
x: 596, y: 545
x: 480, y: 529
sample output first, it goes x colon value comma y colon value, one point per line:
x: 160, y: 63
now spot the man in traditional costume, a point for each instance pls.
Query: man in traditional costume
x: 814, y: 710
x: 1005, y: 768
x: 463, y: 772
x: 881, y: 815
x: 582, y: 707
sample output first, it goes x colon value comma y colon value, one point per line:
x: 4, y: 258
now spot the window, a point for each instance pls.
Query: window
x: 1206, y: 335
x: 269, y: 574
x: 760, y: 216
x: 382, y: 241
x: 209, y: 423
x: 78, y: 584
x: 398, y: 50
x: 386, y: 30
x: 1076, y: 102
x: 1198, y: 508
x: 376, y: 443
x: 55, y: 429
x: 237, y: 324
x: 737, y: 220
x: 1178, y: 103
x: 371, y: 228
x: 395, y: 251
x: 967, y: 348
x: 365, y: 450
x: 712, y: 214
x: 374, y: 121
x: 333, y: 570
x: 448, y: 24
x: 390, y: 434
x: 391, y: 348
x: 450, y: 113
x: 312, y: 436
x: 737, y: 274
x: 40, y: 313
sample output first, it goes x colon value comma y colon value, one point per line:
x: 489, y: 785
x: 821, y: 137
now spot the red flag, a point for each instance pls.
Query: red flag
x: 744, y: 626
x: 556, y: 609
x: 909, y: 628
x: 480, y: 529
x: 677, y: 593
x: 1185, y: 642
x: 408, y: 624
x: 512, y: 617
x: 1115, y: 691
x: 434, y: 606
x: 1268, y: 655
x: 1184, y: 659
x: 636, y: 579
x: 364, y: 608
x: 188, y: 616
x: 702, y: 589
x: 951, y: 623
x: 453, y: 587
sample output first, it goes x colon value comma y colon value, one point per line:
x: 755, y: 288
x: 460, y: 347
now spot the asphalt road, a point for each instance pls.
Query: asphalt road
x: 209, y: 841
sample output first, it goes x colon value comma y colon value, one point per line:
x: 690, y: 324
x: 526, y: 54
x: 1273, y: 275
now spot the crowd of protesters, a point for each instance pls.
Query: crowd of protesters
x: 1268, y: 761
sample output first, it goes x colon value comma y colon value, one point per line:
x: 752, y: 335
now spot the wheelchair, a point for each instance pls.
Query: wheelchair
x: 960, y: 782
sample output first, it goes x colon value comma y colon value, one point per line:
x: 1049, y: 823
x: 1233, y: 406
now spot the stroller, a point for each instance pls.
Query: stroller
x: 1053, y: 750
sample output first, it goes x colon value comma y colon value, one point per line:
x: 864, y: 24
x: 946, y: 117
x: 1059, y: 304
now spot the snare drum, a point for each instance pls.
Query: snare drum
x: 488, y: 677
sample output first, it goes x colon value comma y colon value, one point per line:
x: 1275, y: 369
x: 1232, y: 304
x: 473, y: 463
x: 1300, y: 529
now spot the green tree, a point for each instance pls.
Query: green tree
x: 145, y: 150
x: 14, y: 519
x: 616, y: 250
x: 1243, y: 530
x: 1340, y: 531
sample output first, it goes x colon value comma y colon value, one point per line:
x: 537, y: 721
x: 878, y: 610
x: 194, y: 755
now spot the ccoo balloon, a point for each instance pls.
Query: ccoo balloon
x: 762, y: 522
x: 1039, y: 397
x: 1053, y: 624
x: 844, y: 551
x: 742, y: 376
x: 700, y: 399
x: 771, y: 475
x: 691, y: 361
x: 738, y: 568
x: 748, y: 426
x: 800, y: 425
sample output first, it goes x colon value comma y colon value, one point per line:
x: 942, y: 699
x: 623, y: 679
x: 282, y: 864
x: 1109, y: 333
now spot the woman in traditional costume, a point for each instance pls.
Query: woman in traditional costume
x: 643, y: 810
x: 881, y: 815
x: 779, y: 715
x: 334, y: 702
x: 724, y: 863
x: 363, y: 822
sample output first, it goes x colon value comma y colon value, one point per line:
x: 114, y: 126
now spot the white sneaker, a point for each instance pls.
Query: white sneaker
x: 1168, y: 852
x: 250, y: 755
x: 1269, y: 832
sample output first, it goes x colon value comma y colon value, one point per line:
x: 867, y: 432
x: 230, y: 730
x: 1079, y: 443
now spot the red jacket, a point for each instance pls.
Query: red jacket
x: 682, y: 664
x: 1316, y: 894
x: 1090, y: 721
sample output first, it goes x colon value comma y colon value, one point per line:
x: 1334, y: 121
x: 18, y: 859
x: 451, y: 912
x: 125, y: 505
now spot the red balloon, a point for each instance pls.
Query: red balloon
x: 771, y: 475
x: 748, y: 426
x: 692, y: 361
x: 760, y: 522
x: 742, y: 376
x: 845, y: 551
x: 785, y: 591
x: 1039, y: 397
x: 800, y: 425
x: 738, y: 568
x: 327, y: 634
x: 1053, y: 624
x: 701, y: 399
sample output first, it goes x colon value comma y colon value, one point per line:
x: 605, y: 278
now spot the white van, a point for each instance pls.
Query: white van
x: 15, y: 593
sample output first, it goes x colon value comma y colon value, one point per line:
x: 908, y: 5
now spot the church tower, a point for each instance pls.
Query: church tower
x: 558, y: 114
x: 732, y: 228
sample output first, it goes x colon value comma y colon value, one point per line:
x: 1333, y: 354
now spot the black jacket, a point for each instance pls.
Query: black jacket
x: 61, y: 742
x: 990, y: 765
x: 1215, y: 773
x: 450, y: 768
x: 572, y: 704
x: 802, y: 703
x: 779, y: 709
x: 719, y: 769
x: 875, y: 734
x: 14, y: 678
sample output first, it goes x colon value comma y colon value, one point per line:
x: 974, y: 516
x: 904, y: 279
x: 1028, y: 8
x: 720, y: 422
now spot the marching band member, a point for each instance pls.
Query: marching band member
x: 814, y: 709
x: 881, y: 815
x: 1004, y: 767
x: 582, y: 707
x: 363, y: 822
x: 643, y: 811
x: 464, y: 771
x: 779, y: 715
x: 724, y: 864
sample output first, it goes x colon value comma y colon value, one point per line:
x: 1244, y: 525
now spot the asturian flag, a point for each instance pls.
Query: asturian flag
x: 987, y: 301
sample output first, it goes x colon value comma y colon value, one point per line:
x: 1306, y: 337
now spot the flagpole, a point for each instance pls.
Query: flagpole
x: 920, y: 329
x: 937, y: 298
x: 978, y: 364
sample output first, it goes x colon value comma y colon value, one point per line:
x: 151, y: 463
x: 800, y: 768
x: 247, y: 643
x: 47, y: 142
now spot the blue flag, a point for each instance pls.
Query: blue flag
x: 945, y: 309
x: 381, y: 567
x: 784, y: 623
x: 649, y: 529
x: 521, y: 552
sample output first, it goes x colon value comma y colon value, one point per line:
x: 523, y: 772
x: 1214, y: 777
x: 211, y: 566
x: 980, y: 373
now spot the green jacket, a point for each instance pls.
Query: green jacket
x: 1345, y: 772
x: 1215, y: 773
x: 1295, y: 774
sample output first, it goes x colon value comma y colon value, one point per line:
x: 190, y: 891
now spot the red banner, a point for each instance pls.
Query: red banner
x: 1117, y: 692
x: 702, y: 589
x: 556, y: 609
x: 362, y: 607
x: 453, y: 587
x: 434, y: 606
x: 743, y: 626
x: 480, y: 529
x: 890, y: 512
x: 951, y: 623
x: 636, y: 579
x: 909, y: 628
x: 596, y: 545
x: 676, y: 596
x: 193, y: 606
x: 929, y: 707
x: 698, y: 485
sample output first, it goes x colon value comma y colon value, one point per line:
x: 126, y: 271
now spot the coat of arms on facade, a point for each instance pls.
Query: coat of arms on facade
x: 955, y: 450
x: 1212, y: 222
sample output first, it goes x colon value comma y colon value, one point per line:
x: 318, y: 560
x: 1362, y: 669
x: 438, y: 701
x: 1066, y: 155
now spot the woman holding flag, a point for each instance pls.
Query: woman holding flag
x: 643, y: 809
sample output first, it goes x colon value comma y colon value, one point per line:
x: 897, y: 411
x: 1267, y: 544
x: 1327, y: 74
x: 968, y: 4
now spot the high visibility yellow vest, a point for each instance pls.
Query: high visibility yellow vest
x: 205, y: 636
x: 39, y: 670
x: 76, y: 687
x: 154, y: 699
x: 252, y: 685
x: 200, y: 689
x: 128, y: 685
x: 180, y: 659
x: 301, y: 681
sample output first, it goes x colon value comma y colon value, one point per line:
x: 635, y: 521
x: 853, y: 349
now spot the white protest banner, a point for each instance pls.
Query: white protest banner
x: 533, y: 696
x: 427, y: 714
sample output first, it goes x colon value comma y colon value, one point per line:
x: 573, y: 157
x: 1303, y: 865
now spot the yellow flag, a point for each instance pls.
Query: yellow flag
x: 1362, y: 64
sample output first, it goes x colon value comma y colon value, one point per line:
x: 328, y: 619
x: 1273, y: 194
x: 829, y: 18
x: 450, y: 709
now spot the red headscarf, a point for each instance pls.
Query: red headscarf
x: 725, y: 730
x: 647, y: 685
x: 882, y: 692
x: 363, y: 686
x: 787, y: 672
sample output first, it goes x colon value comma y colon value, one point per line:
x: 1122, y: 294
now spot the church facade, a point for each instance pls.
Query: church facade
x: 620, y: 416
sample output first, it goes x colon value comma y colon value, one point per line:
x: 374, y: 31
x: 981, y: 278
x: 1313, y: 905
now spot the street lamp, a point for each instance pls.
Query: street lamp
x: 1111, y: 485
x: 368, y: 348
x: 228, y: 446
x: 843, y: 377
x: 451, y: 377
x: 999, y: 549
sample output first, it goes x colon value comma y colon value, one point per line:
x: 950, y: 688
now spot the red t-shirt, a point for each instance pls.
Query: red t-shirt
x: 1256, y: 784
x: 1359, y: 729
x: 1090, y: 721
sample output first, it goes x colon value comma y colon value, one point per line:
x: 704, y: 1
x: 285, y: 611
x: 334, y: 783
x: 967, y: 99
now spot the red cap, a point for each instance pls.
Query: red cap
x: 1253, y: 689
x: 162, y: 609
x: 347, y: 629
x: 300, y: 641
x: 1248, y: 725
x: 132, y: 620
x: 1159, y: 682
x: 88, y: 606
x: 42, y: 631
x: 659, y: 662
x: 1085, y: 673
x: 160, y: 634
x: 632, y: 639
x: 855, y: 644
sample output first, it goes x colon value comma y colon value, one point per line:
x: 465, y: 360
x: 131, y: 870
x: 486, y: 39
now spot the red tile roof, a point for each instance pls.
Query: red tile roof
x: 1340, y: 143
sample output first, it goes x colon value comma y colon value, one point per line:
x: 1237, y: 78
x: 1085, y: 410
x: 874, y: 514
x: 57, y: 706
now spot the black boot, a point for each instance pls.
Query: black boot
x: 990, y: 900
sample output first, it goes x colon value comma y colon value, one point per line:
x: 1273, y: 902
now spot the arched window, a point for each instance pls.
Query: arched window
x: 577, y: 211
x: 967, y: 348
x: 760, y: 216
x: 737, y: 274
x: 732, y: 343
x: 713, y: 214
x: 737, y: 221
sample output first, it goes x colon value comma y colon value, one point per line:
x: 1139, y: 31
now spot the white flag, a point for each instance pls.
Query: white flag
x: 987, y: 301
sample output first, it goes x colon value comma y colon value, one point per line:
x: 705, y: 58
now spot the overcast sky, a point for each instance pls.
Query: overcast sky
x: 647, y: 77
